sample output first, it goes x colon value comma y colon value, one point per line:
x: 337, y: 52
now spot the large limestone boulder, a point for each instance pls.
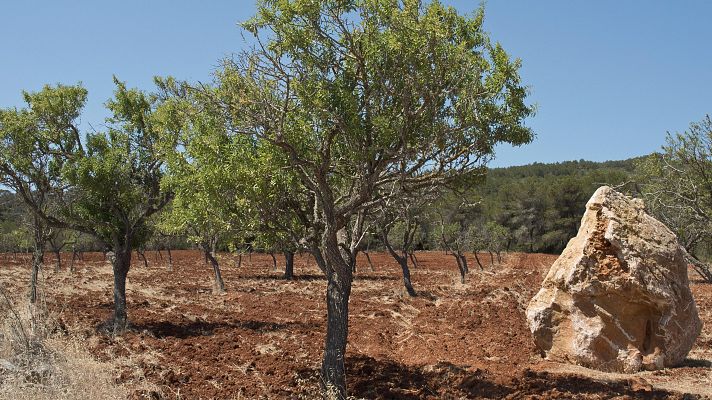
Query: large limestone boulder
x: 618, y: 298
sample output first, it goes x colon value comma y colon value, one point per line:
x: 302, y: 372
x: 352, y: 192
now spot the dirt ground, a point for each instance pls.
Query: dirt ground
x: 263, y: 338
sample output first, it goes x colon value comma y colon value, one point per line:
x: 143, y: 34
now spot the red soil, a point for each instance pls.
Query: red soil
x: 263, y: 339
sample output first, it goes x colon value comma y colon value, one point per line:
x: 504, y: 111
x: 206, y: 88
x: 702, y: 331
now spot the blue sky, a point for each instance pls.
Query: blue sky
x: 609, y: 78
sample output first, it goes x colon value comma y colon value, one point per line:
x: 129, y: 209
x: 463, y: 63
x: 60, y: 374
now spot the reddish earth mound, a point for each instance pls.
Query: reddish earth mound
x: 263, y: 339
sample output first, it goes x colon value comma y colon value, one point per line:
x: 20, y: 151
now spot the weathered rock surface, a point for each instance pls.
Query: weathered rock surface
x: 618, y: 297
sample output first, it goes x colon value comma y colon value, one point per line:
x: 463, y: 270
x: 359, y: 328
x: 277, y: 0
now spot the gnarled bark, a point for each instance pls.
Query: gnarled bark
x: 340, y: 278
x: 219, y: 284
x: 121, y: 263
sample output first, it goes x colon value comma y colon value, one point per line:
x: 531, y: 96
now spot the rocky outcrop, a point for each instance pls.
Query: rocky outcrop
x: 618, y: 298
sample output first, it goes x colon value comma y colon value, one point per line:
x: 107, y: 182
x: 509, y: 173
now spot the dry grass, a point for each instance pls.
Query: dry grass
x: 39, y: 361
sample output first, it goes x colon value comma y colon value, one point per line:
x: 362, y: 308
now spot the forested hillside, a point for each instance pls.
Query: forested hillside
x: 541, y: 204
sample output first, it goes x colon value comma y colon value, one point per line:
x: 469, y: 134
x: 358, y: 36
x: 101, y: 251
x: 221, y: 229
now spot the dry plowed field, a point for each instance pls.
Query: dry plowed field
x: 264, y: 337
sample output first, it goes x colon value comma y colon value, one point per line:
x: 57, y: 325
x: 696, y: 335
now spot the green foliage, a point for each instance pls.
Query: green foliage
x: 228, y: 187
x: 115, y: 182
x: 37, y: 141
x: 106, y: 185
x: 541, y: 204
x: 677, y: 185
x: 401, y: 235
x: 367, y: 88
x: 208, y: 171
x: 497, y: 237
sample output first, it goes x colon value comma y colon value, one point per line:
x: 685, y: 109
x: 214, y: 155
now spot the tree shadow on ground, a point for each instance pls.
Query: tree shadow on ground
x: 577, y: 386
x: 695, y: 363
x: 278, y: 276
x: 384, y: 379
x: 165, y: 329
x: 315, y: 277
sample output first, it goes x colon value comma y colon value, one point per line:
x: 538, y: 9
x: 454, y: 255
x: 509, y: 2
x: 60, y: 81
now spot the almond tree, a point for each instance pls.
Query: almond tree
x: 207, y: 172
x: 34, y: 144
x: 497, y: 238
x: 359, y: 94
x: 107, y: 185
x: 57, y: 240
x: 456, y: 239
x: 400, y: 219
x: 281, y: 219
x: 677, y: 187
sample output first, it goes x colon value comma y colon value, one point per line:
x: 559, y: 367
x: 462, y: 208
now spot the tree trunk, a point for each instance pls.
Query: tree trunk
x: 142, y: 254
x: 170, y: 259
x: 319, y: 258
x: 239, y: 260
x: 219, y: 284
x: 460, y: 266
x: 38, y: 233
x: 491, y: 258
x: 332, y: 368
x: 75, y: 255
x: 333, y: 373
x: 289, y: 265
x: 274, y: 261
x: 464, y: 263
x: 368, y: 257
x: 37, y: 260
x: 58, y: 264
x: 71, y: 264
x: 413, y: 259
x: 479, y: 263
x: 121, y: 263
x: 701, y: 268
x: 403, y: 261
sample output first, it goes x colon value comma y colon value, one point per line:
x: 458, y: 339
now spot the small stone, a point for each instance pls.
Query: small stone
x: 638, y: 384
x: 618, y: 297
